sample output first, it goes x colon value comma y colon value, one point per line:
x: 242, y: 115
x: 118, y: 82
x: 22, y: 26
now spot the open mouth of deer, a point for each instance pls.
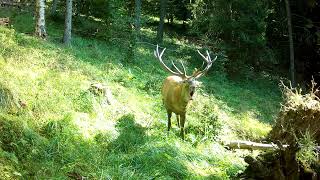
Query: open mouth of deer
x: 191, y: 95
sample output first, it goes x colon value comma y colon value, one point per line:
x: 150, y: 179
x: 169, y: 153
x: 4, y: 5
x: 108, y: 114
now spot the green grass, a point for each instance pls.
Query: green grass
x: 65, y: 130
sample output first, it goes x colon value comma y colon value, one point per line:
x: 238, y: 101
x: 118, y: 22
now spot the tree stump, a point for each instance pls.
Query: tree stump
x: 5, y: 21
x: 103, y: 91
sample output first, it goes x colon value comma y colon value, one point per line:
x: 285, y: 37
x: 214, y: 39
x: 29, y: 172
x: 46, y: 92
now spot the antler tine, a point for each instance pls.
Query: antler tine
x: 176, y: 67
x: 209, y: 64
x: 162, y: 52
x: 184, y: 69
x: 202, y: 55
x: 215, y: 59
x: 159, y: 57
x: 208, y: 56
x: 157, y: 53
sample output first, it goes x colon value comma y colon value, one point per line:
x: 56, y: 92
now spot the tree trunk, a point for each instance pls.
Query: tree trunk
x: 292, y: 69
x: 40, y: 29
x: 54, y: 7
x: 163, y: 8
x: 68, y: 23
x: 137, y: 18
x: 132, y: 13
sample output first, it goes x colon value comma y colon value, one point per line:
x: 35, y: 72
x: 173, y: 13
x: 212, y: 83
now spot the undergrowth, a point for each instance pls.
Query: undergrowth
x: 60, y: 129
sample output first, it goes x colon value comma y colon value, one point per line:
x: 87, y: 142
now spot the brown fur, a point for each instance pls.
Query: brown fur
x: 176, y: 96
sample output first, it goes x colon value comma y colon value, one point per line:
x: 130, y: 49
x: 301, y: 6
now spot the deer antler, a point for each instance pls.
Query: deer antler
x: 209, y: 62
x: 178, y: 73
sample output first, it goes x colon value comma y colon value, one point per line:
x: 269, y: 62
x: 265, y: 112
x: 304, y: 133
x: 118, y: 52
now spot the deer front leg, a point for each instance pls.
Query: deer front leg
x: 178, y: 120
x: 169, y: 119
x: 182, y: 121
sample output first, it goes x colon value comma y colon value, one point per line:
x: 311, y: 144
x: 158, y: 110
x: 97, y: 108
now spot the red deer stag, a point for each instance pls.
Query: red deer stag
x: 178, y: 89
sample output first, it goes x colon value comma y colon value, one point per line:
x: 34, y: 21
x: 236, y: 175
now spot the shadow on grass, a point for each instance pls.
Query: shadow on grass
x: 133, y: 154
x: 131, y: 135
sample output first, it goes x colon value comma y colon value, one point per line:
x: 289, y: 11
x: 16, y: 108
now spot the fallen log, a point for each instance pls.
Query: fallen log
x: 12, y: 4
x: 239, y: 144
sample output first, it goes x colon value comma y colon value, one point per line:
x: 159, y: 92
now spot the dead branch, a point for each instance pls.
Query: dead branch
x: 239, y: 144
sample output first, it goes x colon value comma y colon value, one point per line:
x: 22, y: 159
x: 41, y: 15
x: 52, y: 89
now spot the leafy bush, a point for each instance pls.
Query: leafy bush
x: 307, y: 154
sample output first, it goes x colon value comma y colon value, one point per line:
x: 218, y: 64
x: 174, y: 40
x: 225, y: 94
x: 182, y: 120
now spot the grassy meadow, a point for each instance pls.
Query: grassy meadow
x: 53, y: 127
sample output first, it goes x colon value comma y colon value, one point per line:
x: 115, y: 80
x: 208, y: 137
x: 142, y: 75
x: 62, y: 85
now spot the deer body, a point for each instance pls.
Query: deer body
x: 178, y: 89
x: 175, y: 99
x: 174, y: 95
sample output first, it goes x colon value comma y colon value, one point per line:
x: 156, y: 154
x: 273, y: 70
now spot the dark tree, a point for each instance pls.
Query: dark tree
x: 54, y: 7
x: 163, y: 7
x: 68, y: 23
x: 137, y: 17
x: 40, y: 29
x: 292, y: 70
x: 178, y: 9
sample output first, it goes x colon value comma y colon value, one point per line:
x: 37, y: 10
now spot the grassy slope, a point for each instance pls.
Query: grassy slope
x: 65, y: 131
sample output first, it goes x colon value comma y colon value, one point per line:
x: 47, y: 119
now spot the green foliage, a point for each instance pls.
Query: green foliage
x: 205, y: 121
x: 179, y: 9
x: 307, y: 154
x: 175, y: 9
x: 151, y: 7
x: 97, y: 8
x: 9, y: 168
x: 277, y: 31
x: 238, y: 27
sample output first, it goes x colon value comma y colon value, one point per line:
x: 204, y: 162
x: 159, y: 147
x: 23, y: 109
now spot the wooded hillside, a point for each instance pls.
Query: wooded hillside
x: 81, y: 89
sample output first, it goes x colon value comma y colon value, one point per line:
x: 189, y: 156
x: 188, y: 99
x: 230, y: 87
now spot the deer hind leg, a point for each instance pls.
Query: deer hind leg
x: 178, y: 120
x: 182, y: 121
x: 169, y: 119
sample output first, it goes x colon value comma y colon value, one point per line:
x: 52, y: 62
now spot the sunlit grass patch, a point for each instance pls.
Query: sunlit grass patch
x: 249, y: 127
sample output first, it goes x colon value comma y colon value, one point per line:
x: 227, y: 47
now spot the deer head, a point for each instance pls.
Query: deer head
x: 188, y: 82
